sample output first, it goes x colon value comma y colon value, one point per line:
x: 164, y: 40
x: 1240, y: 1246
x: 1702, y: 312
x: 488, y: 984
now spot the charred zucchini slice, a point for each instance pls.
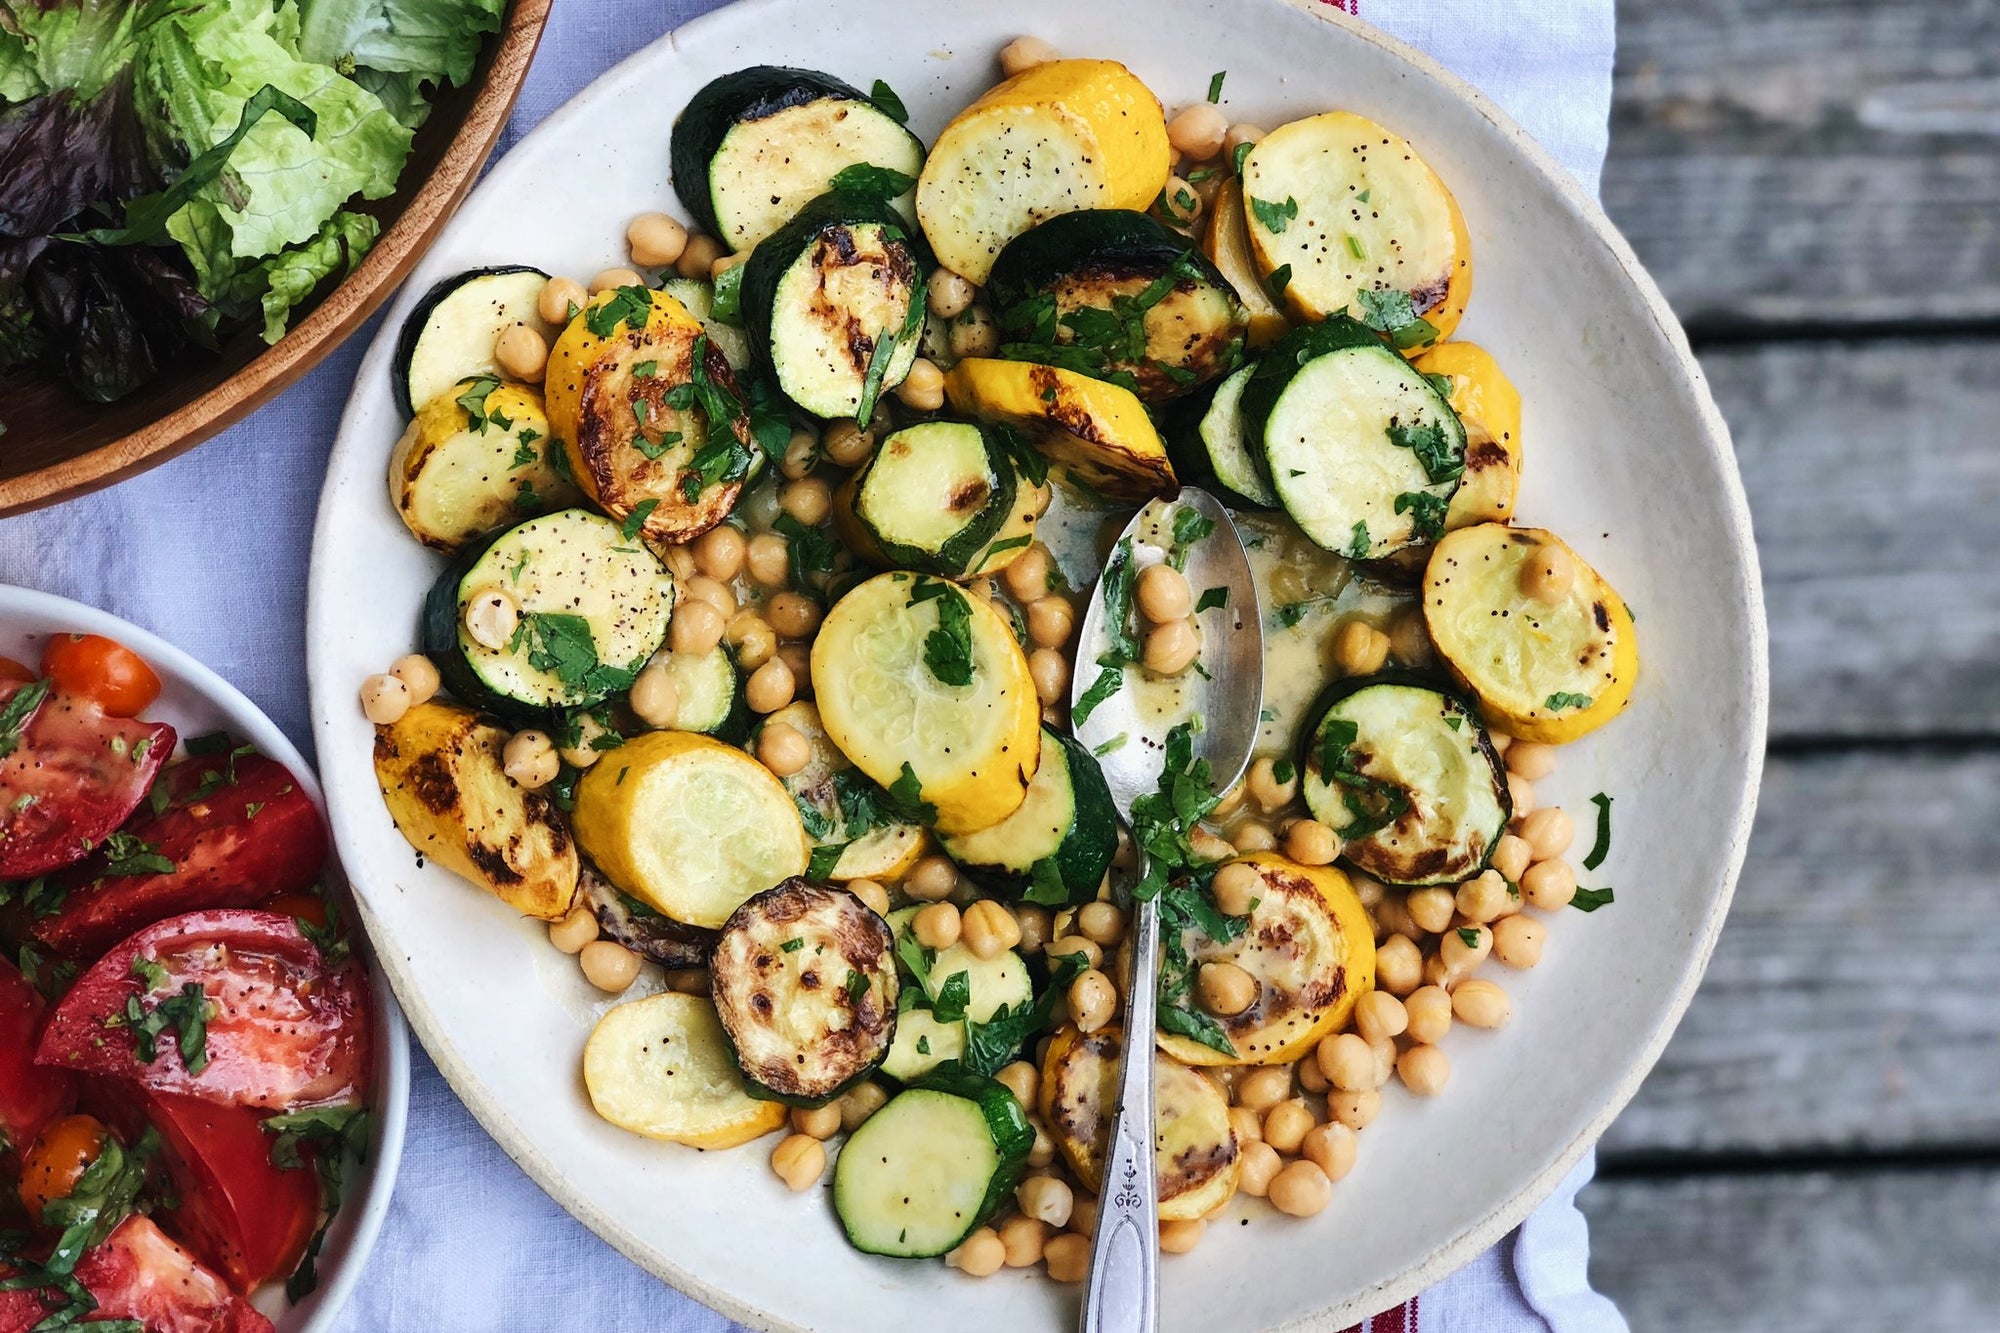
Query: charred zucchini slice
x: 1407, y: 777
x: 628, y: 921
x: 474, y: 459
x: 804, y: 978
x: 1195, y: 1152
x: 1099, y: 432
x: 932, y: 497
x: 836, y: 297
x: 593, y: 607
x: 754, y: 146
x: 930, y: 1167
x: 1361, y: 449
x: 1119, y: 296
x: 1055, y: 849
x: 1542, y: 671
x: 450, y: 335
x: 1215, y: 452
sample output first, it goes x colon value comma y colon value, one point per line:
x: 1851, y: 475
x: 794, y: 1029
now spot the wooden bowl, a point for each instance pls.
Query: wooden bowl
x: 57, y: 446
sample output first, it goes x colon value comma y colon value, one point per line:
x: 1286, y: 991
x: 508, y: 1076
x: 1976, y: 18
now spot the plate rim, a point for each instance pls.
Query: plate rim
x: 1455, y: 1252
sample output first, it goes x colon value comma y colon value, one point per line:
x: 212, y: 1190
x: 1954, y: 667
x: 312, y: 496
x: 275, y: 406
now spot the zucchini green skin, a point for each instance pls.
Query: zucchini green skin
x: 1276, y: 367
x: 746, y: 94
x: 413, y: 327
x: 955, y: 557
x: 1006, y: 1121
x: 1188, y: 447
x: 1356, y: 852
x: 1086, y: 848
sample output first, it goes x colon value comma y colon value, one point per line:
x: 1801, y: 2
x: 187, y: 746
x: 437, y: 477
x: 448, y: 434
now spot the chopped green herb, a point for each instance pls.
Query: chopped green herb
x: 823, y: 860
x: 1215, y: 85
x: 1112, y: 746
x: 1274, y: 218
x: 187, y: 1012
x: 128, y: 854
x: 884, y: 97
x: 15, y: 715
x: 1283, y: 771
x: 1211, y: 597
x: 857, y: 984
x: 1441, y: 456
x: 562, y: 643
x: 883, y: 183
x: 1359, y: 544
x: 1372, y: 804
x: 1279, y: 279
x: 1469, y: 936
x: 635, y: 522
x: 725, y: 302
x: 923, y: 1045
x: 1560, y: 701
x: 1236, y: 156
x: 1354, y: 246
x: 906, y: 797
x: 810, y: 552
x: 1589, y: 900
x: 656, y: 450
x: 1189, y: 528
x: 1392, y: 313
x: 1426, y: 510
x: 948, y: 647
x: 473, y: 399
x: 629, y: 307
x: 645, y: 370
x: 1601, y: 846
x: 1108, y: 682
x: 334, y: 1134
x: 1046, y: 886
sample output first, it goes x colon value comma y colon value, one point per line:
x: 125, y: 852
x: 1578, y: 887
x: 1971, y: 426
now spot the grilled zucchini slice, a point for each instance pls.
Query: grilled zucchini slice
x: 1217, y: 454
x: 1067, y: 291
x: 1490, y: 406
x: 594, y: 606
x: 836, y: 297
x: 689, y: 826
x: 454, y: 477
x: 804, y: 979
x: 1196, y: 1154
x: 931, y: 498
x: 925, y: 1171
x: 697, y: 297
x: 753, y: 147
x: 1542, y: 671
x: 923, y: 1040
x: 1055, y: 849
x: 1361, y: 449
x: 1310, y: 946
x: 924, y: 687
x: 661, y: 1067
x: 1356, y: 222
x: 1098, y: 431
x: 842, y: 809
x: 450, y: 335
x: 1408, y: 778
x: 441, y: 777
x: 635, y: 389
x: 629, y: 922
x: 1227, y: 245
x: 710, y: 690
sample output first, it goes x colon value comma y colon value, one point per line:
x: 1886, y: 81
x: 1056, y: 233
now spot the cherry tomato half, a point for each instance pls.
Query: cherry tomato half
x: 62, y: 1153
x: 101, y: 669
x: 12, y: 670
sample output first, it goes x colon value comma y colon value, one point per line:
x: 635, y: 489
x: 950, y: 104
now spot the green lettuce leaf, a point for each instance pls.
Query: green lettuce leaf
x: 292, y: 275
x: 430, y: 38
x: 76, y: 44
x: 406, y: 95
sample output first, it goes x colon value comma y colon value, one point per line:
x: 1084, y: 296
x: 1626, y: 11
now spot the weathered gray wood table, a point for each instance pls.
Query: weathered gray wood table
x: 1816, y: 185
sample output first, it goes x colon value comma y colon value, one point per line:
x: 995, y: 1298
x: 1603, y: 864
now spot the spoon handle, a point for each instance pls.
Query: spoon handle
x: 1122, y: 1293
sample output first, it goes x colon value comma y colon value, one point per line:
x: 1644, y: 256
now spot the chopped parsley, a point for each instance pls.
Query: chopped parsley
x: 628, y: 307
x: 1359, y: 544
x: 1469, y: 936
x: 991, y: 1045
x: 1283, y: 771
x: 1112, y: 746
x: 561, y: 643
x: 1372, y: 804
x: 1601, y: 847
x: 948, y: 647
x: 656, y: 450
x: 883, y: 183
x: 792, y: 945
x: 906, y: 797
x: 1211, y: 597
x: 128, y: 854
x: 332, y: 1134
x: 885, y: 99
x: 1100, y: 343
x: 1046, y: 886
x: 525, y: 453
x: 1189, y: 528
x: 1215, y: 85
x: 1274, y: 218
x: 1426, y: 511
x: 187, y: 1012
x: 857, y: 984
x: 1236, y: 157
x: 1560, y: 701
x: 1589, y: 900
x: 477, y: 390
x: 809, y: 550
x: 635, y: 522
x: 1278, y: 280
x: 725, y: 302
x: 1392, y: 314
x: 1440, y: 455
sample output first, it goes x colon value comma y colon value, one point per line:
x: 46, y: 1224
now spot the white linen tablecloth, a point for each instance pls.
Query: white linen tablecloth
x: 210, y: 552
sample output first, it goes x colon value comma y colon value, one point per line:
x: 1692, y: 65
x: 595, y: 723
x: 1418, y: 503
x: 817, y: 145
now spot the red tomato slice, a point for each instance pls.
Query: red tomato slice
x: 243, y: 1217
x: 22, y: 1310
x: 102, y: 669
x: 232, y: 844
x: 73, y: 776
x: 12, y: 670
x: 283, y: 1030
x: 31, y: 1095
x: 139, y: 1273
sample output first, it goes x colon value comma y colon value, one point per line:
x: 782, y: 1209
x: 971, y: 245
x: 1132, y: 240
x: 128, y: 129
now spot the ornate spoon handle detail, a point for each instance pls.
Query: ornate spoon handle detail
x: 1122, y: 1293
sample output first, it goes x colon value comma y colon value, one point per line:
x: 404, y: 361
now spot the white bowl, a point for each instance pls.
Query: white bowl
x: 195, y: 700
x: 1625, y: 456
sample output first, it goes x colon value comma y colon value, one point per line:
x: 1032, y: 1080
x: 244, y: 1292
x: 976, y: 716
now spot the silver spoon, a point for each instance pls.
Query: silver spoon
x: 1122, y: 1293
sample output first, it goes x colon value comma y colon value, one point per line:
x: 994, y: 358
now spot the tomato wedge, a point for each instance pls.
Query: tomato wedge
x: 69, y: 775
x: 31, y: 1095
x: 236, y: 830
x: 139, y: 1273
x: 102, y: 669
x: 278, y: 1027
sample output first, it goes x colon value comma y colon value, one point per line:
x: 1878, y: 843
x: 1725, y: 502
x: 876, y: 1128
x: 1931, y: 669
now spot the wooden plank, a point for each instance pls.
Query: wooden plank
x: 1816, y: 161
x: 1853, y: 1002
x: 1874, y: 486
x: 1799, y: 1253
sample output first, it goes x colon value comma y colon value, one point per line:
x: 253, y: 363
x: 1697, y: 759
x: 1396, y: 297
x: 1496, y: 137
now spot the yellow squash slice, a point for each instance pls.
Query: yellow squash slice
x: 661, y: 1067
x: 454, y: 478
x: 1490, y: 406
x: 1098, y: 431
x: 1542, y: 671
x: 883, y: 853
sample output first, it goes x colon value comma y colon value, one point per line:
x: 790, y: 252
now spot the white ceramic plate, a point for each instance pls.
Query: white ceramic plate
x: 195, y: 700
x: 1625, y: 456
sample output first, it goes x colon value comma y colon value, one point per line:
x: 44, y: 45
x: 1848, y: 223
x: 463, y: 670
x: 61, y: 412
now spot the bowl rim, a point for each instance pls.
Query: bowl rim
x: 55, y: 614
x: 357, y: 296
x: 1454, y: 1252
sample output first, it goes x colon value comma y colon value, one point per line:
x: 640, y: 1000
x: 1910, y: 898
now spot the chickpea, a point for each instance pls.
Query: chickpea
x: 1531, y: 759
x: 1548, y: 833
x: 801, y: 455
x: 1510, y: 857
x: 1431, y: 909
x: 655, y: 698
x: 860, y: 1102
x: 1356, y: 1110
x: 1197, y: 131
x: 1063, y: 945
x: 1465, y: 948
x: 1180, y: 1237
x: 1025, y: 1237
x: 418, y: 675
x: 1399, y: 965
x: 716, y: 593
x: 718, y: 553
x: 1331, y: 1147
x: 1226, y: 989
x: 560, y: 300
x: 1480, y: 1003
x: 1347, y: 1062
x: 1083, y: 1215
x: 521, y: 353
x: 1027, y: 577
x: 1549, y: 885
x: 1311, y: 1079
x: 1286, y: 1125
x: 1384, y: 1050
x: 770, y: 686
x: 847, y: 444
x: 1264, y: 787
x: 990, y: 929
x: 529, y: 759
x: 871, y: 893
x: 1312, y: 843
x: 1359, y: 649
x: 491, y: 617
x: 723, y: 263
x: 1024, y: 53
x: 1050, y: 620
x: 1103, y: 922
x: 1518, y: 940
x: 1521, y: 795
x: 576, y: 929
x: 1301, y: 1190
x: 1068, y: 1258
x: 1483, y: 898
x: 696, y: 627
x: 949, y: 294
x: 1207, y: 847
x: 1548, y: 574
x: 698, y: 256
x: 1034, y: 924
x: 808, y: 500
x: 793, y: 615
x: 1022, y: 1079
x: 819, y: 1122
x: 1379, y: 1014
x: 1050, y: 671
x: 756, y: 641
x: 610, y: 278
x: 1247, y: 1125
x: 1424, y: 1070
x: 384, y: 699
x: 974, y: 333
x: 679, y: 560
x: 922, y: 389
x: 655, y: 240
x: 608, y: 965
x: 1044, y: 1150
x: 1430, y: 1014
x: 1046, y: 1199
x: 1264, y: 1087
x: 798, y: 1160
x: 1261, y: 1165
x: 1162, y: 594
x: 936, y: 926
x: 769, y: 558
x: 1253, y: 836
x: 931, y: 879
x: 1093, y: 1001
x: 1171, y: 648
x: 1240, y: 134
x: 783, y: 749
x: 1439, y: 973
x: 979, y: 1255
